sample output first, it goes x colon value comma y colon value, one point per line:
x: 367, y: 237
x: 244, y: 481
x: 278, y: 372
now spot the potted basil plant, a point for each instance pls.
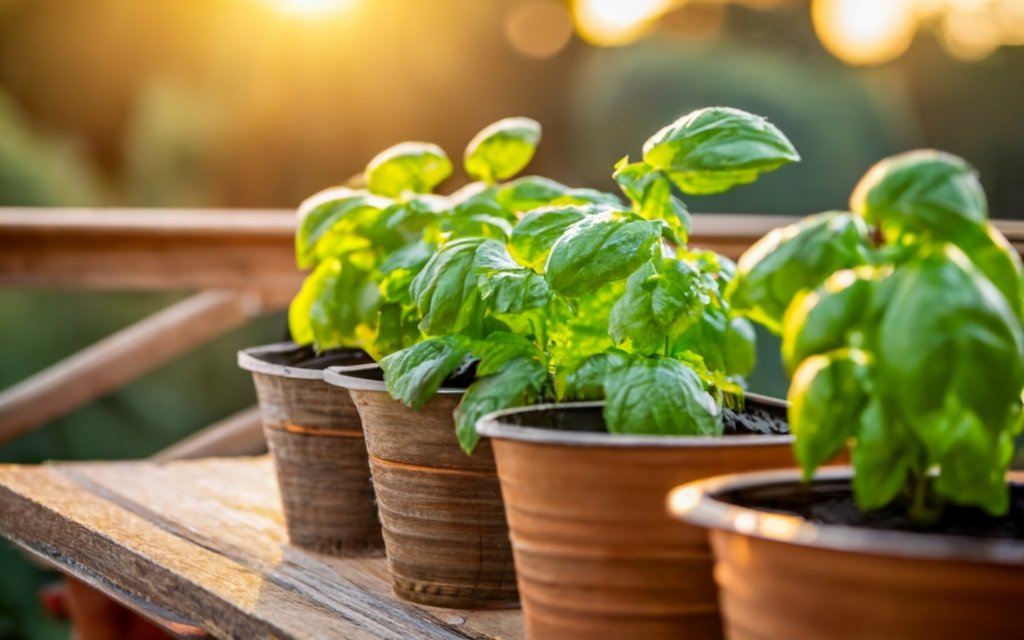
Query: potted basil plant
x: 603, y: 300
x: 902, y: 326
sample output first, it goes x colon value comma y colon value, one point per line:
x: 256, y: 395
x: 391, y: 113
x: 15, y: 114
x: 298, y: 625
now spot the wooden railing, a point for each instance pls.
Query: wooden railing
x: 240, y: 263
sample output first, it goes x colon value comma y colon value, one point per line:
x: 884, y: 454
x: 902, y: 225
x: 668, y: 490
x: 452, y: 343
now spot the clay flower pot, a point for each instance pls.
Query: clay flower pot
x: 597, y: 555
x: 782, y: 576
x: 316, y: 442
x: 444, y: 522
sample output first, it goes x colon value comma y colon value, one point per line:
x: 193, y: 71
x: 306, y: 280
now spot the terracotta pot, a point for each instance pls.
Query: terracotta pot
x: 316, y: 442
x: 597, y: 556
x: 781, y: 576
x: 444, y: 523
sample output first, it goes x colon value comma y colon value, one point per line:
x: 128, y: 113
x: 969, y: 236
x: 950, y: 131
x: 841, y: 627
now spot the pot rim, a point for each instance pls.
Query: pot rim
x: 491, y: 425
x: 696, y: 503
x: 337, y: 376
x: 251, y: 359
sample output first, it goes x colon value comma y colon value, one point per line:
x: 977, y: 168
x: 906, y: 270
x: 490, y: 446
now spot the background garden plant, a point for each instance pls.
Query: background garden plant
x: 903, y: 331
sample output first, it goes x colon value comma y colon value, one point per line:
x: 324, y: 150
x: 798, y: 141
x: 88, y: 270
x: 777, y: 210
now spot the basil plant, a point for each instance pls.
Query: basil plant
x: 581, y: 294
x: 901, y: 324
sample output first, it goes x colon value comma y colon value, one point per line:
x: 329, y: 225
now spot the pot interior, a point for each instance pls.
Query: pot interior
x: 831, y: 502
x: 756, y: 417
x: 305, y: 357
x: 460, y: 380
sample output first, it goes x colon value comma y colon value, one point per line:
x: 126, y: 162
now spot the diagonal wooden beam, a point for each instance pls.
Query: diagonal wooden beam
x: 120, y: 358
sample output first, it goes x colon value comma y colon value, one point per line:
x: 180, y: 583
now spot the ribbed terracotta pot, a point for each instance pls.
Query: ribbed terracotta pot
x: 316, y: 442
x: 444, y: 523
x: 781, y: 576
x: 597, y: 555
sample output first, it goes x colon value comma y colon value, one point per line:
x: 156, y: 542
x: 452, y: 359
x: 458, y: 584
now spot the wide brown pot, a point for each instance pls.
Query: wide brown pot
x: 597, y: 555
x: 444, y: 524
x: 781, y: 576
x: 316, y: 441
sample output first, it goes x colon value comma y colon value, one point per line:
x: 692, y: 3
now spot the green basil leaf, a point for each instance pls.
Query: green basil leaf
x: 321, y: 213
x: 827, y: 397
x: 714, y: 149
x: 518, y: 383
x: 945, y: 332
x: 499, y: 348
x: 828, y: 318
x: 408, y: 166
x: 792, y: 259
x: 972, y: 470
x: 659, y: 396
x: 740, y: 347
x: 921, y: 193
x: 502, y: 149
x: 444, y: 290
x: 599, y: 249
x: 505, y: 285
x: 727, y: 345
x: 335, y: 299
x: 586, y: 381
x: 651, y: 194
x: 881, y: 458
x: 397, y: 329
x: 994, y: 256
x: 476, y: 225
x: 530, y: 192
x: 535, y: 234
x: 415, y: 374
x: 659, y: 305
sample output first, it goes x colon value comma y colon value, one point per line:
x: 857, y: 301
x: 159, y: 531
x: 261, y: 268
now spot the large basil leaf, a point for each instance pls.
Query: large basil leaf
x: 415, y: 374
x: 535, y: 234
x: 322, y: 212
x: 408, y: 166
x: 998, y: 260
x: 600, y: 249
x: 502, y: 149
x: 445, y: 290
x: 659, y: 305
x: 945, y: 332
x: 793, y: 259
x: 712, y: 150
x: 586, y: 381
x: 333, y: 301
x: 659, y: 396
x: 921, y: 193
x: 518, y: 383
x: 827, y: 397
x: 726, y: 344
x: 500, y: 347
x: 882, y: 458
x: 505, y: 285
x: 828, y: 318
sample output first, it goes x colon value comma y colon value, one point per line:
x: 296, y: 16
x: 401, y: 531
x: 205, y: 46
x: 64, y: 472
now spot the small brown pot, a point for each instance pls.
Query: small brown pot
x: 781, y: 576
x: 316, y: 441
x: 597, y: 555
x: 444, y: 522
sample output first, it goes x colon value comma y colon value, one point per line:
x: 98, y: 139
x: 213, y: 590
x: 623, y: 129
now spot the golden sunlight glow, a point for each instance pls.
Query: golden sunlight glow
x: 863, y: 32
x: 312, y: 8
x: 617, y: 22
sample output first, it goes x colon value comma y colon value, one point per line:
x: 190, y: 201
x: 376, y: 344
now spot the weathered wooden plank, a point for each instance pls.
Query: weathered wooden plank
x: 233, y: 506
x: 151, y: 249
x: 134, y: 560
x: 186, y: 525
x: 118, y: 359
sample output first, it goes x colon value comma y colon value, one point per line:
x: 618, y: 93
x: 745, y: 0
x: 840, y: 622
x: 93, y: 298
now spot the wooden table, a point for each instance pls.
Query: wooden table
x: 204, y: 541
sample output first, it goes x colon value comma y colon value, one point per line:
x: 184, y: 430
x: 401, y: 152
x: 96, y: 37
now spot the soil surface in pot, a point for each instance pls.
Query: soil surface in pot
x: 304, y: 357
x: 754, y: 419
x: 831, y: 502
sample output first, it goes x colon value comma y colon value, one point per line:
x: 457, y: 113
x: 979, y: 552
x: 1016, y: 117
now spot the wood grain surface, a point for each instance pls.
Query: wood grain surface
x: 205, y: 540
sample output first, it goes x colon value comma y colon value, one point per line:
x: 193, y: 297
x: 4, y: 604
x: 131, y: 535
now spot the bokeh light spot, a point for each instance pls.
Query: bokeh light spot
x: 617, y: 22
x: 538, y: 28
x: 864, y: 32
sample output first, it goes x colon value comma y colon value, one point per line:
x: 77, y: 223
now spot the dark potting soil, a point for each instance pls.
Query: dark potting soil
x: 832, y: 503
x: 304, y: 357
x: 754, y: 419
